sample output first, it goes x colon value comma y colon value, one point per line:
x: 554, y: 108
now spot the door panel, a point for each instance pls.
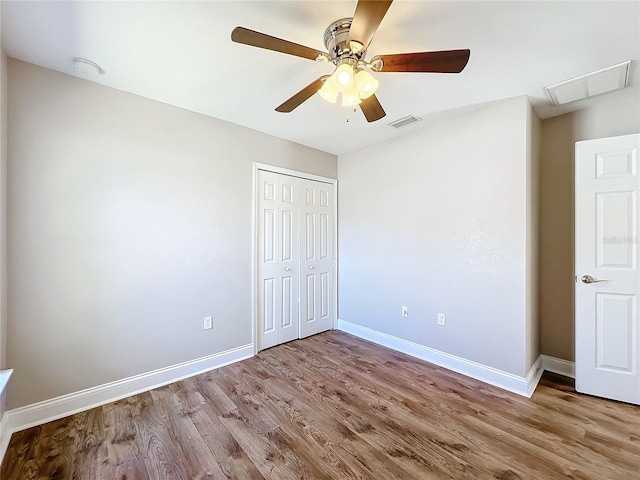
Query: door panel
x: 277, y: 260
x: 288, y: 307
x: 288, y: 266
x: 325, y: 295
x: 324, y: 236
x: 318, y: 261
x: 310, y: 298
x: 269, y: 237
x: 615, y: 325
x: 269, y: 308
x: 310, y: 235
x: 615, y: 223
x: 287, y: 236
x: 607, y: 335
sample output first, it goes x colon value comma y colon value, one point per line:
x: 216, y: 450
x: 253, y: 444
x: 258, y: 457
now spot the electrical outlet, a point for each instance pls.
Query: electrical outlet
x: 442, y: 319
x: 405, y: 311
x: 208, y: 323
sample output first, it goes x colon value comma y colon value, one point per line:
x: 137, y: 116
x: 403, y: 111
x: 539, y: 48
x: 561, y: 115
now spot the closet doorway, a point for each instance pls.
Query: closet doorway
x: 295, y: 244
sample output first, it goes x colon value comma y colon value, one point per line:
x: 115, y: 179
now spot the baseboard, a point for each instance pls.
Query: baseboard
x: 60, y: 407
x: 5, y: 375
x: 559, y: 366
x: 524, y: 386
x: 5, y: 436
x: 534, y: 376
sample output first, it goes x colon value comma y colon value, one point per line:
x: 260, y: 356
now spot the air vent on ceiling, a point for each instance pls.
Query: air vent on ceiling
x: 403, y: 122
x: 589, y: 85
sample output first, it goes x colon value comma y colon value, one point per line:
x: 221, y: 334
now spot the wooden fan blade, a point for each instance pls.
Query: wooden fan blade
x: 261, y: 40
x: 446, y: 61
x: 366, y: 19
x: 372, y: 109
x: 303, y: 95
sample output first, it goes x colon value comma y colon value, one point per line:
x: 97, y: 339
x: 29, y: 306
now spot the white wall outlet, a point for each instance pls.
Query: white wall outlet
x: 208, y: 323
x: 442, y: 319
x: 405, y: 311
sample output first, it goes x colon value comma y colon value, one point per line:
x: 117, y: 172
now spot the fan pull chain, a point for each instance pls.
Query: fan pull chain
x: 347, y: 112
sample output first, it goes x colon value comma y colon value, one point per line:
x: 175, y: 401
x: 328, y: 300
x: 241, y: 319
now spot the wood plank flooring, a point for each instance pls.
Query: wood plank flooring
x: 336, y: 407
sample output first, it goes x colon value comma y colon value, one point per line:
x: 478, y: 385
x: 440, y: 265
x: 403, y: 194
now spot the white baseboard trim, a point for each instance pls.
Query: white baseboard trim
x: 534, y: 376
x: 559, y: 366
x: 65, y: 405
x: 5, y: 436
x: 5, y: 375
x: 507, y: 381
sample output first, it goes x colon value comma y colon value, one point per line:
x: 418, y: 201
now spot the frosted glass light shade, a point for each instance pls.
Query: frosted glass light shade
x: 343, y: 77
x: 329, y: 91
x: 366, y: 84
x: 351, y: 98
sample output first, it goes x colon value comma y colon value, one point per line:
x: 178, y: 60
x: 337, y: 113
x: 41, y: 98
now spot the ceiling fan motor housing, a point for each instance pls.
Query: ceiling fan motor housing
x: 335, y: 39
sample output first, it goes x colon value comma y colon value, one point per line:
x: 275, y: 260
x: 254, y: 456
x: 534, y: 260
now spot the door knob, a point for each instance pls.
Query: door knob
x: 590, y: 279
x: 287, y: 269
x: 311, y: 267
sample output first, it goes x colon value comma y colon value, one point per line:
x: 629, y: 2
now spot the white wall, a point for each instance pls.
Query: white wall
x: 618, y: 116
x: 129, y: 221
x: 438, y: 220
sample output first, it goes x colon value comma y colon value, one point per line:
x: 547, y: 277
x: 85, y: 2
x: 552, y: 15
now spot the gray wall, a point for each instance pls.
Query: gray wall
x: 619, y: 116
x: 532, y: 332
x: 438, y: 220
x: 3, y: 221
x: 129, y: 221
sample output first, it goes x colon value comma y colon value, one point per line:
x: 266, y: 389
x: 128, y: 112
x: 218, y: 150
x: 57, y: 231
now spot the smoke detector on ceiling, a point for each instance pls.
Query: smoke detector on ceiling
x: 87, y: 67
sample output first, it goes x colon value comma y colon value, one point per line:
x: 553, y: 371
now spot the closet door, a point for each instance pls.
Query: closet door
x: 316, y: 257
x: 278, y: 254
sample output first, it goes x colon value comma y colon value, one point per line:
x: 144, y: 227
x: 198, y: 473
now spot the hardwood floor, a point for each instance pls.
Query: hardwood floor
x: 336, y: 407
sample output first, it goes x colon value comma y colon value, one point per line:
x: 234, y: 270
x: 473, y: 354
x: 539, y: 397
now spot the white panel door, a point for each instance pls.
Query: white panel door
x: 278, y: 259
x: 316, y: 257
x: 606, y: 262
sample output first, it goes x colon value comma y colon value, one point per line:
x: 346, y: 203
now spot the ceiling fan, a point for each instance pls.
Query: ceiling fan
x: 347, y: 41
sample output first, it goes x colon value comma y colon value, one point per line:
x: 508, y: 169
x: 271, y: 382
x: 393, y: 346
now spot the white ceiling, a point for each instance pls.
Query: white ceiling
x: 181, y: 53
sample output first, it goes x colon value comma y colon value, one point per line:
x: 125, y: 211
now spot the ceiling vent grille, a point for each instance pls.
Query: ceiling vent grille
x: 589, y: 85
x: 403, y: 122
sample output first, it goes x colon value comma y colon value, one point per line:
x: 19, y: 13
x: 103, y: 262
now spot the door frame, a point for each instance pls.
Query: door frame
x: 254, y: 233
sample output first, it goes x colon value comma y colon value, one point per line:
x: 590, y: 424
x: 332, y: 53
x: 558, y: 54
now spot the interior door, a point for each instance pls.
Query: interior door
x: 278, y: 259
x: 317, y: 258
x: 607, y: 278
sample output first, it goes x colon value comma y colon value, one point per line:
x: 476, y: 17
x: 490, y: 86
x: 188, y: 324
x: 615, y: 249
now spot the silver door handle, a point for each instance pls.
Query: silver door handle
x: 590, y: 279
x: 311, y: 267
x: 287, y: 269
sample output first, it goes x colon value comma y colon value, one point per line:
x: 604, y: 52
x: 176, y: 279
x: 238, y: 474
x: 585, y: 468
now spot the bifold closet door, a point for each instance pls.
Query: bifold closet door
x: 278, y: 259
x: 316, y: 257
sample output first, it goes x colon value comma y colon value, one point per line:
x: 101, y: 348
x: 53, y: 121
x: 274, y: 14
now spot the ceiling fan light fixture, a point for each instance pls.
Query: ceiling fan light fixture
x: 350, y: 99
x: 329, y: 91
x: 347, y: 41
x: 343, y: 77
x: 366, y: 84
